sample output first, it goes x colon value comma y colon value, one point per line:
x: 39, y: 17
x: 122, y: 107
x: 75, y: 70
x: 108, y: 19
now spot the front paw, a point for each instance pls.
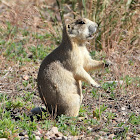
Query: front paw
x: 96, y: 85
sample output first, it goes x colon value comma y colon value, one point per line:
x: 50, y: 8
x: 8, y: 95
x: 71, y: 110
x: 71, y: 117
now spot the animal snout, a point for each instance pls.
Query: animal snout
x: 93, y: 28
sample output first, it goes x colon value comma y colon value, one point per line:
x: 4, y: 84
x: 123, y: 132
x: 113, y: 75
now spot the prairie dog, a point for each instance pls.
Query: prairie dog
x: 61, y: 72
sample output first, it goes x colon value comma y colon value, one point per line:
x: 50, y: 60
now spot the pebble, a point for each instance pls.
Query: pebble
x: 37, y: 133
x: 58, y: 138
x: 123, y: 108
x: 26, y: 136
x: 65, y: 138
x: 116, y: 82
x: 89, y: 128
x: 111, y: 136
x: 114, y: 122
x: 46, y: 137
x: 25, y: 77
x: 128, y: 138
x: 37, y: 138
x: 124, y: 113
x: 101, y: 138
x: 54, y: 130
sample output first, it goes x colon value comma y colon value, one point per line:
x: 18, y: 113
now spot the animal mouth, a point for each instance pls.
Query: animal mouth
x: 91, y: 36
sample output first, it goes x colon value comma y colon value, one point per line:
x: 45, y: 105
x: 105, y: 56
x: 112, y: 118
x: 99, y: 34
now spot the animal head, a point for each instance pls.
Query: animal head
x: 81, y: 29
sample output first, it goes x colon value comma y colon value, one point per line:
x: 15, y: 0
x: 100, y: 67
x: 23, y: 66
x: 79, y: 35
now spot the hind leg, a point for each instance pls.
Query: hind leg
x: 79, y: 86
x: 74, y: 102
x: 76, y: 99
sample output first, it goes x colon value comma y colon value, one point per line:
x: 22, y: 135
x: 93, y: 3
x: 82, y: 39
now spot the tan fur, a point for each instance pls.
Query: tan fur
x: 61, y: 72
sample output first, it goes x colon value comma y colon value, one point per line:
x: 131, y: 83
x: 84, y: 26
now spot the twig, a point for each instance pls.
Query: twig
x: 99, y: 106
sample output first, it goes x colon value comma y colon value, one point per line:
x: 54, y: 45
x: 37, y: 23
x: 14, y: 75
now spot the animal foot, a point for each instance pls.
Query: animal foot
x: 96, y: 85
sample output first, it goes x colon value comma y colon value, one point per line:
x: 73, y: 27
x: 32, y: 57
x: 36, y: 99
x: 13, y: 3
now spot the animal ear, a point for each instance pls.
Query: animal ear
x: 81, y: 22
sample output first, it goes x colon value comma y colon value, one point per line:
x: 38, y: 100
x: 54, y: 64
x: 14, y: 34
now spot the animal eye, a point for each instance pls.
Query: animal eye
x: 68, y: 26
x: 81, y: 22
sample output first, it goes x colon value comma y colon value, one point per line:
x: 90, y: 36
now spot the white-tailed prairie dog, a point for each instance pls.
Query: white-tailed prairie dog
x: 61, y: 72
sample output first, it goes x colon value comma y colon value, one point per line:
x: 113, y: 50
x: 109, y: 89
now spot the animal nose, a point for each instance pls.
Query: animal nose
x: 93, y: 28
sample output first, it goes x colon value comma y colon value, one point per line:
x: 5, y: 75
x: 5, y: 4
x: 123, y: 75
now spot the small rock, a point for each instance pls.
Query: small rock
x: 81, y: 118
x: 116, y: 82
x: 101, y: 138
x: 114, y: 122
x: 124, y: 113
x: 123, y: 108
x: 65, y: 138
x: 37, y: 138
x: 26, y: 136
x: 46, y: 137
x: 58, y: 134
x: 128, y: 138
x: 37, y: 133
x: 111, y: 136
x: 30, y: 55
x: 25, y: 77
x: 89, y: 128
x: 58, y: 138
x: 21, y: 137
x: 75, y: 138
x: 54, y: 130
x: 114, y: 110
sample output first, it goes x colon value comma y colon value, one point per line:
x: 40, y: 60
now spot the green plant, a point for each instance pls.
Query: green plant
x: 120, y: 124
x: 98, y: 112
x: 110, y: 116
x: 125, y: 132
x: 134, y: 120
x: 94, y: 93
x: 47, y: 124
x: 82, y: 111
x: 110, y: 87
x: 62, y: 120
x: 8, y: 126
x: 28, y: 96
x: 14, y: 104
x: 74, y: 130
x: 25, y: 83
x: 128, y: 80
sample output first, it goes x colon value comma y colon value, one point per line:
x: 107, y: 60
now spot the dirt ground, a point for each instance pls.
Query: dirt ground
x: 120, y: 81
